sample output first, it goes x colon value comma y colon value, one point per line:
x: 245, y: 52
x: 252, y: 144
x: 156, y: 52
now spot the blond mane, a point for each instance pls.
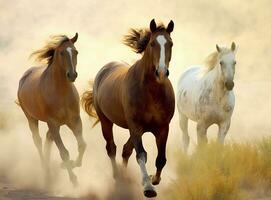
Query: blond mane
x: 212, y: 60
x: 46, y: 53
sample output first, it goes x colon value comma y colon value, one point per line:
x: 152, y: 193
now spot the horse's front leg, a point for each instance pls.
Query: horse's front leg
x: 47, y: 155
x: 223, y: 129
x: 64, y: 154
x: 202, y: 133
x: 141, y: 156
x: 76, y: 127
x: 161, y: 141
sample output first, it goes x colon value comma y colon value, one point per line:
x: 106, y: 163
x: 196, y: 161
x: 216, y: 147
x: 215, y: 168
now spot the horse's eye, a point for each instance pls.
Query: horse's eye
x: 61, y: 53
x: 221, y: 63
x: 152, y: 44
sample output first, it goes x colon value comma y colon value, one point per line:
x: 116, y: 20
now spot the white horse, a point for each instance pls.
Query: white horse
x: 205, y: 95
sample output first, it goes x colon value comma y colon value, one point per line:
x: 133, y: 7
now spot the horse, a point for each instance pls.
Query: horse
x: 47, y: 93
x: 205, y: 95
x: 139, y: 98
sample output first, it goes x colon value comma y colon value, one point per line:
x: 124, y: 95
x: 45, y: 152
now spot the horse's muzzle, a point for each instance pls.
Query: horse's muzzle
x: 71, y: 76
x: 229, y: 85
x: 161, y: 74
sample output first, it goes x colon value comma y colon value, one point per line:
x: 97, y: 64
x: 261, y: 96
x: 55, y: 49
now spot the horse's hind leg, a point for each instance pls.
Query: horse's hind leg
x: 64, y: 154
x: 107, y: 131
x: 127, y: 151
x: 184, y: 127
x: 76, y: 127
x: 33, y: 125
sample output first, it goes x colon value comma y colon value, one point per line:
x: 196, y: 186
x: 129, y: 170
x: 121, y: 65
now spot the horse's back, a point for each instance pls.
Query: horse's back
x: 109, y: 72
x: 107, y: 92
x: 187, y: 91
x: 29, y: 75
x: 189, y: 75
x: 29, y: 82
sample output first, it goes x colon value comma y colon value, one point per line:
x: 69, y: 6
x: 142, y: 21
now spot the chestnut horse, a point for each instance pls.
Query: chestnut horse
x: 47, y: 93
x: 139, y: 98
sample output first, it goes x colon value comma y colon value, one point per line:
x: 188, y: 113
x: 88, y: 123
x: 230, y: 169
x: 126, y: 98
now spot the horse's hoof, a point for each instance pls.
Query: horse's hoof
x: 149, y: 191
x: 155, y: 180
x: 77, y: 164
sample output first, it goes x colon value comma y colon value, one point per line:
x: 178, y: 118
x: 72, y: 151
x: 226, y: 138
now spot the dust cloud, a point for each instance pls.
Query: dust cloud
x: 27, y: 24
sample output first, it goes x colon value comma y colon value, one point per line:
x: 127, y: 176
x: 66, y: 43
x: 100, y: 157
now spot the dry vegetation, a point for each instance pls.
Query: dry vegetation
x: 233, y: 172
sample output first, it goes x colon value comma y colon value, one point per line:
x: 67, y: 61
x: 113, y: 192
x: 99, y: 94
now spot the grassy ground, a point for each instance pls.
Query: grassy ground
x: 233, y: 172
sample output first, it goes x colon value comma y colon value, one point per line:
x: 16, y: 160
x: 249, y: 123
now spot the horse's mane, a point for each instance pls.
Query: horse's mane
x: 46, y: 53
x: 138, y: 39
x: 212, y: 60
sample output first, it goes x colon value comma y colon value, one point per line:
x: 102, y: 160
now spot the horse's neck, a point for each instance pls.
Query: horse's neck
x: 56, y: 78
x: 215, y: 83
x: 144, y: 68
x: 144, y: 74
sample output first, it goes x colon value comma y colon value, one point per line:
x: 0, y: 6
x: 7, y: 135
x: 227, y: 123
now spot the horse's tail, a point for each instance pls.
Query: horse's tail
x: 87, y: 104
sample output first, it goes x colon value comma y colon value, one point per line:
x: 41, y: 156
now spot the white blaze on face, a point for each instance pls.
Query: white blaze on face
x: 69, y: 49
x: 162, y: 60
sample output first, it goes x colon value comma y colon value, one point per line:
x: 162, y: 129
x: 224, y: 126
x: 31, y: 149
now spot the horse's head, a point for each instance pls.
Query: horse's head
x: 160, y: 46
x: 227, y: 64
x: 67, y: 55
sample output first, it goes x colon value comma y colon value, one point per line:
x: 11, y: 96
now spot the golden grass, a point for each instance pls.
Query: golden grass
x: 233, y: 172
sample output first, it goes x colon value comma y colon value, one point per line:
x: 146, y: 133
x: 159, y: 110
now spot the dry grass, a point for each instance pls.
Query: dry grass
x: 233, y: 172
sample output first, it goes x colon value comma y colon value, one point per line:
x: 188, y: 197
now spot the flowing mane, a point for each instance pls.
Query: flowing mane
x: 47, y: 52
x: 138, y: 39
x: 212, y: 60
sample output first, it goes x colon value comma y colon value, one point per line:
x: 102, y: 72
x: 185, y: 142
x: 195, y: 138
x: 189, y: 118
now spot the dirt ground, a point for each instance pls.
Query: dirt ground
x: 9, y: 192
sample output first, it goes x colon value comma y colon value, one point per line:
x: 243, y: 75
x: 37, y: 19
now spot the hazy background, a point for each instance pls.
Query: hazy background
x: 199, y: 25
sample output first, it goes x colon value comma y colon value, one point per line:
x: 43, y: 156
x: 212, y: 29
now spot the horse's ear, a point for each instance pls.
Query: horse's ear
x: 170, y: 26
x: 217, y: 48
x: 153, y: 26
x: 74, y: 39
x: 233, y: 46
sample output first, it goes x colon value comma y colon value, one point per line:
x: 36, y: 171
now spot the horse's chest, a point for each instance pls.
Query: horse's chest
x: 153, y: 106
x: 156, y: 114
x: 215, y: 111
x: 65, y: 110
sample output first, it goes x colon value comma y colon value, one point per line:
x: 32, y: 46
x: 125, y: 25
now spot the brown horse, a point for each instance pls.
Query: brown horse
x: 139, y: 98
x: 47, y: 93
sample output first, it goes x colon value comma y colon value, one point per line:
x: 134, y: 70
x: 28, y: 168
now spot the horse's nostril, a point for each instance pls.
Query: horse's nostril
x: 75, y: 73
x: 167, y: 73
x: 156, y: 73
x: 229, y: 85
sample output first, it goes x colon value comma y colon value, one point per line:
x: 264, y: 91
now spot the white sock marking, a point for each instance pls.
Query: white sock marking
x: 144, y: 172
